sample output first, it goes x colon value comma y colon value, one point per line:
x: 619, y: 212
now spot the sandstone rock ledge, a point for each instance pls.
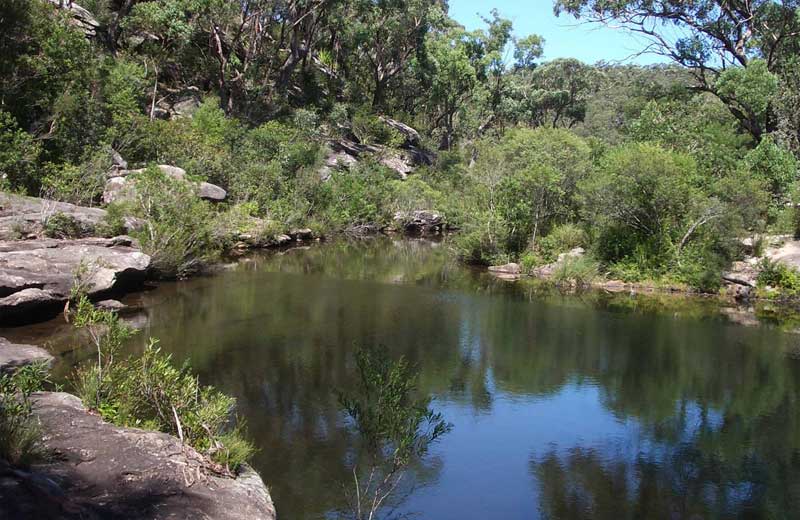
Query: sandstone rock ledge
x: 38, y: 275
x: 14, y: 356
x: 104, y: 471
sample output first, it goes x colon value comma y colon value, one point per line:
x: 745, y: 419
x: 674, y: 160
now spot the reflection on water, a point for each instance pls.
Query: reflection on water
x: 563, y: 406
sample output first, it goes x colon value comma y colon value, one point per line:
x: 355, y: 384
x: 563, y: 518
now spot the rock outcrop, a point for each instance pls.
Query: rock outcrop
x: 419, y: 222
x: 178, y: 104
x: 22, y: 216
x: 346, y: 152
x: 38, y: 275
x: 14, y: 356
x: 100, y: 471
x: 79, y: 17
x: 121, y: 184
x: 510, y: 271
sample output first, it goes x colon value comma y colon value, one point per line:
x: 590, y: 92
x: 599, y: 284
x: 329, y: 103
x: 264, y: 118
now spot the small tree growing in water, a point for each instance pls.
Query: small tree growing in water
x: 396, y: 427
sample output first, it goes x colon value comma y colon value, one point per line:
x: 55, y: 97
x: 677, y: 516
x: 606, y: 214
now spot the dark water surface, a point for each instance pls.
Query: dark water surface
x: 562, y: 406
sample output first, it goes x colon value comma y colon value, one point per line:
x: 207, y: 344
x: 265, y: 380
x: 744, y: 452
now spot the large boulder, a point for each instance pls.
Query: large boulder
x: 177, y: 104
x: 22, y: 216
x: 38, y: 275
x: 14, y: 356
x: 103, y: 471
x: 121, y: 184
x: 79, y: 17
x: 419, y: 221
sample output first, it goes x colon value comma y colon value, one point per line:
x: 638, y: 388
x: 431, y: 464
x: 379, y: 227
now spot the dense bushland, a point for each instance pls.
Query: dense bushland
x: 657, y: 171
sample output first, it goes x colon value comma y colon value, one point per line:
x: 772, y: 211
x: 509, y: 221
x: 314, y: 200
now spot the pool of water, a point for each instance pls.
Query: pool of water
x: 562, y: 406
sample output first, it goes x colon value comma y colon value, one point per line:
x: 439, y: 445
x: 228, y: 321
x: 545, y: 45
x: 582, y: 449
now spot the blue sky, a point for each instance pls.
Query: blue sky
x: 564, y: 36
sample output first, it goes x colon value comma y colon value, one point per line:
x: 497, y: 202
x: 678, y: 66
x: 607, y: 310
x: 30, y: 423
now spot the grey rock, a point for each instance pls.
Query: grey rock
x: 301, y: 234
x: 419, y: 221
x: 397, y: 161
x: 118, y: 161
x: 114, y: 189
x: 111, y: 305
x: 510, y: 268
x: 336, y: 160
x: 411, y: 135
x: 211, y: 192
x: 14, y: 356
x: 282, y: 240
x: 80, y: 17
x: 38, y: 274
x: 178, y: 104
x: 105, y: 471
x: 21, y: 216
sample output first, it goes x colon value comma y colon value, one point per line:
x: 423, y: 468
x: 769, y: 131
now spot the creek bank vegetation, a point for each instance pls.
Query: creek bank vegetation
x: 147, y: 391
x: 257, y: 123
x: 148, y: 427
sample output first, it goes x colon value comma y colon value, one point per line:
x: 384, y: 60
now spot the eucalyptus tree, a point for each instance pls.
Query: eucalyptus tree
x: 711, y: 38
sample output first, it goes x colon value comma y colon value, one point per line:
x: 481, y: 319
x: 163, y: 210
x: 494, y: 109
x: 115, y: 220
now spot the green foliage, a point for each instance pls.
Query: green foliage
x: 62, y: 225
x: 775, y: 166
x: 19, y: 154
x: 395, y: 424
x: 360, y: 196
x: 369, y: 129
x: 20, y: 433
x: 752, y: 86
x: 148, y: 391
x: 178, y: 226
x: 77, y: 184
x: 576, y: 271
x: 781, y: 277
x: 641, y: 195
x: 562, y: 239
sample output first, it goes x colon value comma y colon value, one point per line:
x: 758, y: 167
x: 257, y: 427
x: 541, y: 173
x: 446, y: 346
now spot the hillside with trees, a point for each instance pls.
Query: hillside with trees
x: 350, y: 116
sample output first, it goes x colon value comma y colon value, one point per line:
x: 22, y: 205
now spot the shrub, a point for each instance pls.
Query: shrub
x: 20, y: 435
x: 369, y: 129
x: 178, y: 227
x: 62, y: 225
x: 82, y: 184
x: 781, y: 277
x: 396, y: 425
x: 113, y: 224
x: 562, y: 239
x: 483, y: 240
x: 148, y: 391
x: 775, y: 166
x: 19, y: 155
x: 356, y: 197
x: 575, y: 271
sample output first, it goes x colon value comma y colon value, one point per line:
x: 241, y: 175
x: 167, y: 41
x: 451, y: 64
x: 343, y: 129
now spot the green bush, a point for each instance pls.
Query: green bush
x: 178, y: 226
x: 576, y: 271
x: 20, y: 434
x: 781, y: 277
x: 148, y: 391
x: 369, y: 129
x: 562, y: 239
x: 483, y: 241
x: 359, y: 196
x: 19, y: 156
x: 62, y: 225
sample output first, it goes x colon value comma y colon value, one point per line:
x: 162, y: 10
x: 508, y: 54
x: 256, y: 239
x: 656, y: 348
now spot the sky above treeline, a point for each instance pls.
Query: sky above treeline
x: 565, y: 37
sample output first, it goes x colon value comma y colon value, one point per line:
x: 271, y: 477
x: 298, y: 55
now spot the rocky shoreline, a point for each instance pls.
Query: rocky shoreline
x: 738, y: 284
x: 94, y: 469
x: 98, y: 470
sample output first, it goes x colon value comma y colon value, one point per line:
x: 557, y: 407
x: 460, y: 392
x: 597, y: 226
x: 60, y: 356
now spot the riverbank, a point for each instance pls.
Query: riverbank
x: 89, y: 468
